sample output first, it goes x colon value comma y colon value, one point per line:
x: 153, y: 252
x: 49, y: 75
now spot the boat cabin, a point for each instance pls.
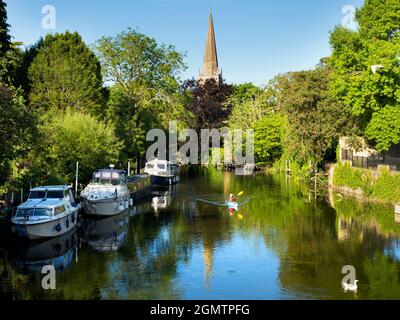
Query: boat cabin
x: 109, y: 176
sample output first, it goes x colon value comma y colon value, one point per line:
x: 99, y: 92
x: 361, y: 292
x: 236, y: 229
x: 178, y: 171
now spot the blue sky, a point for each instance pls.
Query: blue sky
x: 256, y: 39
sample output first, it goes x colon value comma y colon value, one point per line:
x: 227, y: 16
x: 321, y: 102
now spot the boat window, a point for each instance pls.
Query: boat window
x: 40, y: 212
x: 55, y: 194
x: 37, y: 195
x: 161, y: 166
x: 106, y: 178
x: 116, y: 182
x: 59, y: 210
x: 22, y: 213
x: 150, y: 166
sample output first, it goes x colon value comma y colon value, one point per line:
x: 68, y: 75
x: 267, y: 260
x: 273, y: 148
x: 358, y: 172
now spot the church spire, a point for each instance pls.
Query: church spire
x: 210, y: 65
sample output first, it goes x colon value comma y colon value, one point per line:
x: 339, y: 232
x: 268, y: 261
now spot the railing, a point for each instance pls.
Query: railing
x: 371, y: 162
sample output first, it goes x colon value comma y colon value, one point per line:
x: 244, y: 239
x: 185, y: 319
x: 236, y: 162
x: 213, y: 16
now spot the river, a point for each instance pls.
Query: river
x: 180, y: 244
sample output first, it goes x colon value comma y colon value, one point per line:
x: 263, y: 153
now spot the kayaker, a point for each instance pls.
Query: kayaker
x: 232, y: 198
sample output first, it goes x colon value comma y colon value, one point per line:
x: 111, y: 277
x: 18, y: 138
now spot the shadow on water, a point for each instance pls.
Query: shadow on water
x: 283, y: 244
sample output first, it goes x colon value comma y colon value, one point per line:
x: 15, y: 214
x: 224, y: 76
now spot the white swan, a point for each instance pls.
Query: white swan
x: 349, y: 286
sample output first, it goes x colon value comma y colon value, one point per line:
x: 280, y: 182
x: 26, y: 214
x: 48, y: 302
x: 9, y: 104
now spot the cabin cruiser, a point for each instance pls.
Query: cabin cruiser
x: 139, y: 186
x: 162, y: 172
x: 107, y: 194
x: 49, y: 212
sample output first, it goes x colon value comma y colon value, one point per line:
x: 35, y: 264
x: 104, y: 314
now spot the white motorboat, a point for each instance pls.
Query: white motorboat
x: 162, y: 172
x: 50, y: 211
x: 107, y: 194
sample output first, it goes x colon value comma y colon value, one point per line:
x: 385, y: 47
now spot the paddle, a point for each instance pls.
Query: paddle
x: 240, y: 193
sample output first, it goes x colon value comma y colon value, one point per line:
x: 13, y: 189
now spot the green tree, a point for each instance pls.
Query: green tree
x: 22, y: 70
x: 145, y: 81
x: 244, y: 92
x: 65, y: 139
x: 268, y: 137
x: 65, y: 74
x: 250, y: 104
x: 17, y: 129
x: 366, y: 70
x: 316, y: 119
x: 5, y: 38
x: 10, y: 54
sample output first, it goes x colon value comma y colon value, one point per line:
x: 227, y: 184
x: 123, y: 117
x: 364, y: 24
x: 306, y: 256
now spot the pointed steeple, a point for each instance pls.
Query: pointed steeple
x: 210, y: 65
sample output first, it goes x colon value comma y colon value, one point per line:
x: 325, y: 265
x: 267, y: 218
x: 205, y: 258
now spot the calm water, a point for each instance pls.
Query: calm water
x: 282, y: 244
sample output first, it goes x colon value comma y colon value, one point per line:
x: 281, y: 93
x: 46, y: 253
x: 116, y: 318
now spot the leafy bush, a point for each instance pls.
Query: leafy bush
x: 268, y: 132
x: 387, y: 187
x: 346, y: 176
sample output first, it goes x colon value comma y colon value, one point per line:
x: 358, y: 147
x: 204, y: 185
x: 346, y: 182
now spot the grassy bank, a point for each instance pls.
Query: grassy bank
x: 376, y: 185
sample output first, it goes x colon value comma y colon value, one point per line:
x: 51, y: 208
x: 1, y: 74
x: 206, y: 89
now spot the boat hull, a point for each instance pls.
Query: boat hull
x: 164, y: 181
x: 47, y: 229
x: 109, y: 207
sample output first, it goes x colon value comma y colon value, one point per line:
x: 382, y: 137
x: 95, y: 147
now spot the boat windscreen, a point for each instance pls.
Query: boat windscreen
x: 38, y: 212
x: 55, y: 194
x: 37, y: 195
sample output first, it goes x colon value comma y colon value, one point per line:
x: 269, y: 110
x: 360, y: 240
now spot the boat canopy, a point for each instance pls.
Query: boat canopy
x: 52, y: 188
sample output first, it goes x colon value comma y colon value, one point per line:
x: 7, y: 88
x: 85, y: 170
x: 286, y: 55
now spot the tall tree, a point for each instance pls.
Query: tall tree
x: 10, y: 54
x: 249, y: 104
x: 17, y: 122
x: 22, y: 70
x: 316, y: 119
x: 145, y: 83
x: 366, y: 70
x: 65, y: 139
x: 268, y: 138
x: 66, y: 74
x: 17, y: 128
x: 207, y: 102
x: 5, y: 38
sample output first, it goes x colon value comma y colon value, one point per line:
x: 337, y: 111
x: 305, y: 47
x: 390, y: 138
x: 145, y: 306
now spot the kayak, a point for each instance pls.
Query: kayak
x: 233, y: 205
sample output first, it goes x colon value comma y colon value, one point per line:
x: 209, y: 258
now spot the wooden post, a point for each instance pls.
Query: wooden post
x: 76, y: 178
x: 129, y: 168
x: 22, y: 195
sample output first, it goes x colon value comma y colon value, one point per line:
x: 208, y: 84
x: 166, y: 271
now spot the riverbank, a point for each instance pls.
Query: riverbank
x: 380, y: 186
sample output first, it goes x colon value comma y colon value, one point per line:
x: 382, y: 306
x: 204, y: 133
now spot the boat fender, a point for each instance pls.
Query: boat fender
x: 67, y: 223
x: 58, y: 227
x: 73, y: 218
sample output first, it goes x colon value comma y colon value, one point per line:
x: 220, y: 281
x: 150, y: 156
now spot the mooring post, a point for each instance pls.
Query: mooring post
x: 129, y: 168
x: 22, y: 195
x: 76, y: 178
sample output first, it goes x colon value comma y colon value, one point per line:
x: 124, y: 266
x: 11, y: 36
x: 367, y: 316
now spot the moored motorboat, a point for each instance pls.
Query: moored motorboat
x: 162, y: 172
x: 50, y: 211
x: 107, y: 194
x: 139, y: 186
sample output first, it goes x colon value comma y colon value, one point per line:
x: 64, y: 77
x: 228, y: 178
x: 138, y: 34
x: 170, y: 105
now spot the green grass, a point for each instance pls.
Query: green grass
x: 385, y: 188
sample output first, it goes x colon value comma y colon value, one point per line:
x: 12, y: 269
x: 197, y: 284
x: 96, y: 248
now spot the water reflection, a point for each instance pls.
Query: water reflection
x: 106, y: 234
x: 286, y: 246
x: 32, y: 256
x: 163, y: 197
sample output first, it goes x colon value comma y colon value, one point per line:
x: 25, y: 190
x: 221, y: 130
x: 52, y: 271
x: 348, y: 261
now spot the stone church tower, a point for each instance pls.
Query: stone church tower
x: 210, y: 65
